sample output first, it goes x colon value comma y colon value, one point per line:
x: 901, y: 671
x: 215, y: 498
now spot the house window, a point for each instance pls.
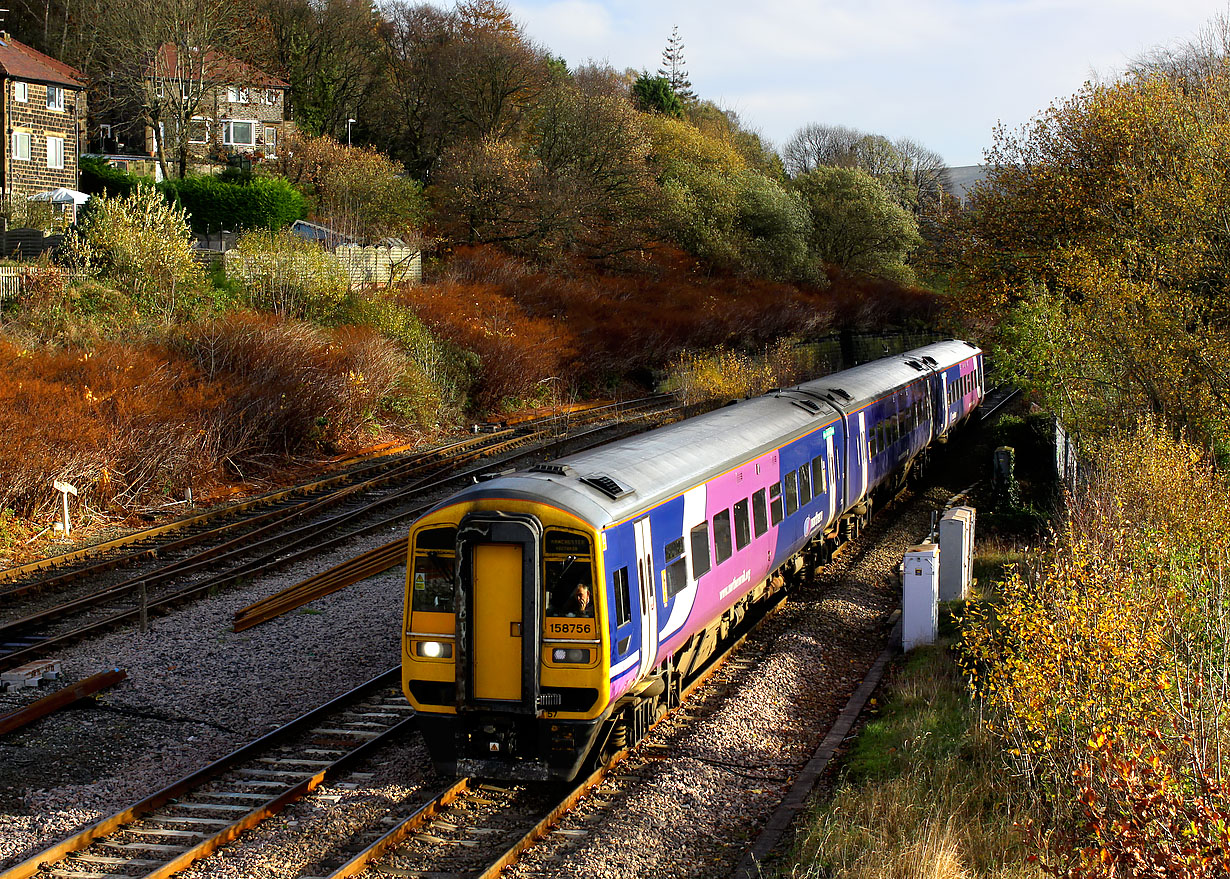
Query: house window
x: 271, y: 97
x: 55, y: 152
x: 21, y: 91
x: 21, y: 145
x: 239, y: 133
x: 271, y: 142
x: 198, y: 130
x: 238, y: 94
x: 55, y: 97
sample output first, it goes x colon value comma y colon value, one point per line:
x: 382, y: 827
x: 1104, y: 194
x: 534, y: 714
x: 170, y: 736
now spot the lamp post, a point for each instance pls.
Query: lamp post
x: 349, y: 122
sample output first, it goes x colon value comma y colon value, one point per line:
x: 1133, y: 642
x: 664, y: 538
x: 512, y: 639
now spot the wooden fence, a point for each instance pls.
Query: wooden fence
x: 364, y: 265
x: 13, y: 279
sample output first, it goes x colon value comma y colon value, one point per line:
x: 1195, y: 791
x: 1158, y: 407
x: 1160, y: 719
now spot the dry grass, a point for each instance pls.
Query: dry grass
x: 924, y: 794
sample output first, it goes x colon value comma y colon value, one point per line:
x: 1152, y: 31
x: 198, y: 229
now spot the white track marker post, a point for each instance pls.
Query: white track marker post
x: 65, y: 490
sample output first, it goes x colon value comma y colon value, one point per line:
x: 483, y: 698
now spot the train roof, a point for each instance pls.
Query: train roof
x: 621, y: 478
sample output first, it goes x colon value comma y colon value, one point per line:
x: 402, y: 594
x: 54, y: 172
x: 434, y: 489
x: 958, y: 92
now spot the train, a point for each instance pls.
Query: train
x: 554, y: 613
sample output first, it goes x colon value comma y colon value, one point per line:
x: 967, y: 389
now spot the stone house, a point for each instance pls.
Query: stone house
x: 242, y: 110
x: 44, y: 111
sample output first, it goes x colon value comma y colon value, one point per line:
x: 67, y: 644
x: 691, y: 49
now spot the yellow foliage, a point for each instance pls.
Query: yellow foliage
x: 1121, y: 629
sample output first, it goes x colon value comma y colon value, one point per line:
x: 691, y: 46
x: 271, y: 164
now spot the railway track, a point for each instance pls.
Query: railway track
x: 269, y: 540
x: 387, y: 467
x: 453, y: 828
x: 465, y: 828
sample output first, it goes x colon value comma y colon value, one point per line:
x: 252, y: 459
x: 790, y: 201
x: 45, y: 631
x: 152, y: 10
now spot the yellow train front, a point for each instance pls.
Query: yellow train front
x: 501, y: 589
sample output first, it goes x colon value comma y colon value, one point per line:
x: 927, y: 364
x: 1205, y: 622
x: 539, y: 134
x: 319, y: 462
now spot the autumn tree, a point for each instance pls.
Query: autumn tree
x: 715, y: 206
x: 329, y: 53
x: 469, y: 74
x: 1096, y: 254
x: 577, y: 183
x: 357, y: 191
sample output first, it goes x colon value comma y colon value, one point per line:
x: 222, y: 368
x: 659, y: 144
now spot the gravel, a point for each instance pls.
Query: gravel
x: 195, y: 691
x: 688, y: 804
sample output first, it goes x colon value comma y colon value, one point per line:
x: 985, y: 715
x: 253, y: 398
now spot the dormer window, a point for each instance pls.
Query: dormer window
x: 21, y: 91
x: 55, y: 97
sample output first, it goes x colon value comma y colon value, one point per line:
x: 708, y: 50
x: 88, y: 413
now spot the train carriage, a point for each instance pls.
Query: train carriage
x: 553, y: 613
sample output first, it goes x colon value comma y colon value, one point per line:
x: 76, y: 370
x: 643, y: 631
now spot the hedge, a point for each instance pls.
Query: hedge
x: 213, y: 204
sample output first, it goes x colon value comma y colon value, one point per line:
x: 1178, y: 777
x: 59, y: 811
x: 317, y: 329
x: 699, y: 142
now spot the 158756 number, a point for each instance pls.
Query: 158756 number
x: 570, y: 628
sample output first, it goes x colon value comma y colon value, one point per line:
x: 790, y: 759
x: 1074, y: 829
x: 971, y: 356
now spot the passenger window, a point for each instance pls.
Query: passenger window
x: 819, y: 475
x: 792, y: 493
x: 804, y: 485
x: 700, y: 550
x: 760, y: 513
x: 623, y: 606
x: 434, y: 558
x: 743, y: 527
x: 676, y: 568
x: 775, y: 503
x: 721, y: 537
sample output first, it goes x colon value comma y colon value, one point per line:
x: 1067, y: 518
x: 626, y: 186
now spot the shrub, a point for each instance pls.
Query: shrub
x: 357, y: 191
x: 291, y: 386
x: 724, y: 374
x: 144, y: 245
x: 286, y: 274
x: 213, y: 204
x: 1121, y: 633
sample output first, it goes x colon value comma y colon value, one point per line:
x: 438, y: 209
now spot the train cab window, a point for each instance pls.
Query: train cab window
x: 804, y: 485
x: 623, y: 603
x: 700, y: 550
x: 676, y: 568
x: 775, y: 503
x: 434, y: 558
x: 743, y: 526
x: 792, y: 493
x: 760, y: 513
x: 819, y: 474
x: 568, y: 580
x: 722, y: 548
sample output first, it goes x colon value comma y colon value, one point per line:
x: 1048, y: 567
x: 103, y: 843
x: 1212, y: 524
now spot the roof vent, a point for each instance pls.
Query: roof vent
x: 841, y: 393
x: 607, y: 485
x: 929, y: 360
x: 914, y: 363
x: 553, y: 469
x: 807, y: 406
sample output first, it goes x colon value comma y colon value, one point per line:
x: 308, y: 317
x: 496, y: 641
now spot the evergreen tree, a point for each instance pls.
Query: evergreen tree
x: 673, y: 69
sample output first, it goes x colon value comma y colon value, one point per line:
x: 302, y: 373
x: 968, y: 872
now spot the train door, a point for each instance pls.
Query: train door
x: 497, y: 621
x: 499, y: 604
x: 862, y: 459
x: 829, y: 458
x: 648, y: 595
x: 944, y: 405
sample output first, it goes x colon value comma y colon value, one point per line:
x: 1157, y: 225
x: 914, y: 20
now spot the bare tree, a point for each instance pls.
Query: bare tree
x: 817, y: 145
x: 162, y: 57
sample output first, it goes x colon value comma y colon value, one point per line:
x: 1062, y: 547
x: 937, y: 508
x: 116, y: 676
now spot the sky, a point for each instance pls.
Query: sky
x: 943, y: 72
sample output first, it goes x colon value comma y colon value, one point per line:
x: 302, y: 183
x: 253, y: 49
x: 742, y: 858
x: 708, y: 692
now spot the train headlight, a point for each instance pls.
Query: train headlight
x: 575, y: 655
x: 433, y: 649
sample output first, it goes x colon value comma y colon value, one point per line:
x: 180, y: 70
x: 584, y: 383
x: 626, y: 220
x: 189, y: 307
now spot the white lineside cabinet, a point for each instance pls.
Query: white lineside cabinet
x: 957, y: 552
x: 920, y: 584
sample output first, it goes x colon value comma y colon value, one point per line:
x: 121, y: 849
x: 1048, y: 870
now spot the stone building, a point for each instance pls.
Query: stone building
x: 242, y: 110
x: 44, y: 115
